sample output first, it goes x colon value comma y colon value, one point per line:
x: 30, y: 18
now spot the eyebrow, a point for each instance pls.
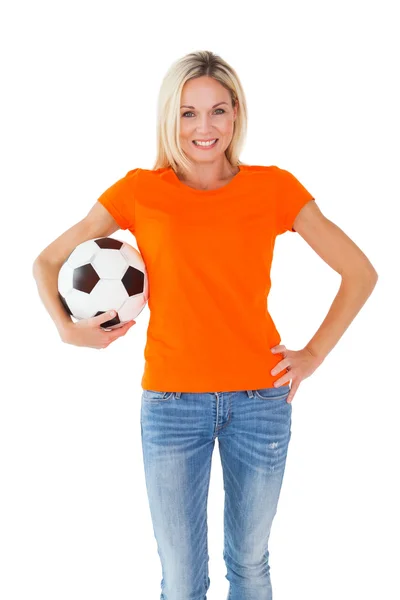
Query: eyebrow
x: 187, y: 106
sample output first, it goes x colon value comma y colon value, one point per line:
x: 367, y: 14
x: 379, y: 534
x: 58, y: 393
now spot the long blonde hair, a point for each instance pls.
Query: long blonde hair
x: 195, y: 64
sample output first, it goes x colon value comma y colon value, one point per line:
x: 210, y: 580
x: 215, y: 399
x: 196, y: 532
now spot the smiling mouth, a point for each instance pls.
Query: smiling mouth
x: 205, y: 145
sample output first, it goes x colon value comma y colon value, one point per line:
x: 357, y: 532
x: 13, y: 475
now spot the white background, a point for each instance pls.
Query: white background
x: 80, y: 83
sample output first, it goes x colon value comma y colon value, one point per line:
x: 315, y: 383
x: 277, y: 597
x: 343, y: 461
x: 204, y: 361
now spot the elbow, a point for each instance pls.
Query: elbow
x: 361, y: 269
x: 365, y: 277
x: 374, y: 275
x: 372, y: 279
x: 34, y: 267
x: 371, y: 274
x: 38, y: 260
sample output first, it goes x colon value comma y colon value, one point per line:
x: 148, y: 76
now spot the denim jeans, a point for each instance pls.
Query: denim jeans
x: 178, y: 431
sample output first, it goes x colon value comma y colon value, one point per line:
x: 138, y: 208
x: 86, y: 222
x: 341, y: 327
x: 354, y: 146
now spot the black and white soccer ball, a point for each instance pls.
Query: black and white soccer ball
x: 103, y: 274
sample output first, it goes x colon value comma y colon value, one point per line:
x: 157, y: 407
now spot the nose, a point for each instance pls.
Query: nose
x: 203, y: 129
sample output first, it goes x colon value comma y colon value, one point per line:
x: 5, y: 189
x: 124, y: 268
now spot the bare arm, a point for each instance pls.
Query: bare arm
x: 97, y: 223
x: 358, y: 275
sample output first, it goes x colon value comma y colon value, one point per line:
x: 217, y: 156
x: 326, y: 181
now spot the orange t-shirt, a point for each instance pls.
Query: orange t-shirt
x: 208, y: 257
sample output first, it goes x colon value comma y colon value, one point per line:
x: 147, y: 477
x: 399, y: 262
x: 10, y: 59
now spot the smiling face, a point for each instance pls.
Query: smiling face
x: 206, y: 113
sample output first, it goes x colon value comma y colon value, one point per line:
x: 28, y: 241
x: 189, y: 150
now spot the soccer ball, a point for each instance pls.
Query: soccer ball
x: 103, y: 274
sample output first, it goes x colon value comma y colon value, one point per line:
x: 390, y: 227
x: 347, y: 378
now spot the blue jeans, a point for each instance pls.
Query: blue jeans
x: 178, y: 432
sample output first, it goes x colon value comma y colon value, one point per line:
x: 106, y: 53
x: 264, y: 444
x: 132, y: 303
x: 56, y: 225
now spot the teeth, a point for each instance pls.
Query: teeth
x: 205, y: 143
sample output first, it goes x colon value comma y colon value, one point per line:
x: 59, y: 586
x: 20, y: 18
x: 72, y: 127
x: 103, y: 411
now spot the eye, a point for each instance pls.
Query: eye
x: 191, y: 113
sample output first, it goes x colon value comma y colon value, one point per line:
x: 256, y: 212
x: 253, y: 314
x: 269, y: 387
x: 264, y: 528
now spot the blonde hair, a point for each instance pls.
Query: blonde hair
x: 193, y: 65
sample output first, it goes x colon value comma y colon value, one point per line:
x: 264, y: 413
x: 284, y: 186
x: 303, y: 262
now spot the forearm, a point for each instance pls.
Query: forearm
x: 354, y: 291
x: 46, y: 276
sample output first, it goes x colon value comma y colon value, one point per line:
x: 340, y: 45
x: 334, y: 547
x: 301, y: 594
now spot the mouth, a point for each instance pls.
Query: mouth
x: 204, y: 147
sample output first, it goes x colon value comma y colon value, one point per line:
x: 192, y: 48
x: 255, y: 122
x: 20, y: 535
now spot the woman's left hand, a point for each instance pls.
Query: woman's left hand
x: 300, y: 364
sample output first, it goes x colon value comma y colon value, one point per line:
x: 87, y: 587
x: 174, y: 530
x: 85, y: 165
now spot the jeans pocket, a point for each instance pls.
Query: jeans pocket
x: 156, y: 396
x: 273, y: 393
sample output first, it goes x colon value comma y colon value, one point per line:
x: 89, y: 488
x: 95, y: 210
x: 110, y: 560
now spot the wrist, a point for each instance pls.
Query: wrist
x: 318, y: 357
x: 64, y: 329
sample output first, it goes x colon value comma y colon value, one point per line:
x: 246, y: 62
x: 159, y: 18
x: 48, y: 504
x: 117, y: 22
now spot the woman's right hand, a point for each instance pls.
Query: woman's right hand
x: 87, y: 332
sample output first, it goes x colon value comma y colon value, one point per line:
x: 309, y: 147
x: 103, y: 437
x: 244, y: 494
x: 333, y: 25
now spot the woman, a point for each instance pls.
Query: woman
x: 205, y: 224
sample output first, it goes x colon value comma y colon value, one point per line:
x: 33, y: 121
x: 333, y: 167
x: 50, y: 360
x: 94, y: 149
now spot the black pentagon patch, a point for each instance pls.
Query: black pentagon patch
x: 64, y: 302
x: 110, y: 322
x: 85, y: 278
x: 133, y: 281
x: 109, y: 243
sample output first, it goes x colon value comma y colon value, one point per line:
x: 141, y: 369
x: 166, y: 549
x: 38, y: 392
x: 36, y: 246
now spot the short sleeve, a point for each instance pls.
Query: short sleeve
x: 119, y: 200
x: 291, y: 196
